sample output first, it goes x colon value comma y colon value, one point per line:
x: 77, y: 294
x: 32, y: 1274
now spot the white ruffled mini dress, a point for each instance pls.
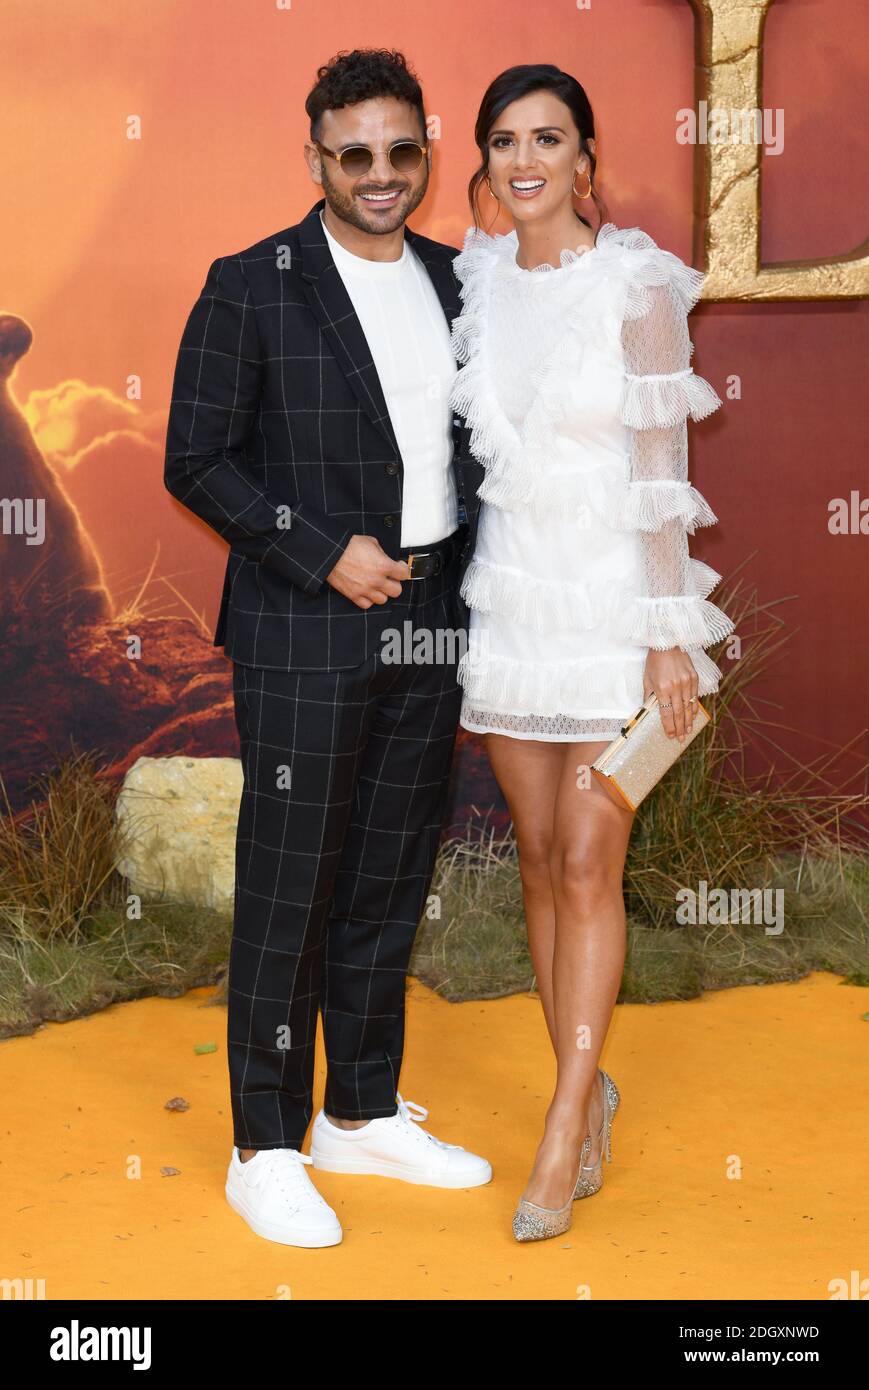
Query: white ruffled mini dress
x: 577, y: 387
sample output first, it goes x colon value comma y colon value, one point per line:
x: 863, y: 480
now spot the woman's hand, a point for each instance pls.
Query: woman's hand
x: 672, y: 677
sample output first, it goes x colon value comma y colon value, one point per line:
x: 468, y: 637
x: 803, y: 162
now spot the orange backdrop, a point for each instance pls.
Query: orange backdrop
x: 107, y: 239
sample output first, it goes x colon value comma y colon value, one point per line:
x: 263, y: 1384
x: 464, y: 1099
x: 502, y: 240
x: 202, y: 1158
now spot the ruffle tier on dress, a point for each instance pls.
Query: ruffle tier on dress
x: 581, y: 561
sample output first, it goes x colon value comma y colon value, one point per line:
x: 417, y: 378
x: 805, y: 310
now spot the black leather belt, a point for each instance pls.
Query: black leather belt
x: 430, y: 560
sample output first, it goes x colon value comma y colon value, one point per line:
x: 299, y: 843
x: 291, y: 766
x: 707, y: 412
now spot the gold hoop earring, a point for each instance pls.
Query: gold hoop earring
x: 587, y: 193
x: 489, y: 186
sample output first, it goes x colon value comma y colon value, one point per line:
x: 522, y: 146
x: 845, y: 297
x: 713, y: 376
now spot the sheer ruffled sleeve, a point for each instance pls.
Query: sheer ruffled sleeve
x: 660, y: 392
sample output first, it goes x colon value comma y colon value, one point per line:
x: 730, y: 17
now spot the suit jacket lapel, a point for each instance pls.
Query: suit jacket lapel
x: 333, y: 308
x: 443, y: 278
x: 440, y: 273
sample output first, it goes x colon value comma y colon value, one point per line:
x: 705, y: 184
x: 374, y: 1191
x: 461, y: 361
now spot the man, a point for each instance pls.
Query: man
x: 310, y: 426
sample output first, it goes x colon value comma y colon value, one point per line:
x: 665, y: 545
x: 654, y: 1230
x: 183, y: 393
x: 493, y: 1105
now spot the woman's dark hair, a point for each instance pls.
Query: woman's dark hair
x: 518, y: 82
x: 349, y: 78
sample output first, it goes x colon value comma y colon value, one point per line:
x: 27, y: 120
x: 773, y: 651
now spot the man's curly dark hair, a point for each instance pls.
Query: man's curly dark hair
x: 349, y: 78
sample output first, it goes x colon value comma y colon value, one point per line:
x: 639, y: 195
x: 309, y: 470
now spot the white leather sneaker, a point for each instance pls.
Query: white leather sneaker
x: 395, y: 1147
x: 278, y: 1201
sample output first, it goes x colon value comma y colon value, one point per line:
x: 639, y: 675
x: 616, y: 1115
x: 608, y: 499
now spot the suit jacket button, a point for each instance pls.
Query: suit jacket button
x: 389, y: 520
x: 392, y: 468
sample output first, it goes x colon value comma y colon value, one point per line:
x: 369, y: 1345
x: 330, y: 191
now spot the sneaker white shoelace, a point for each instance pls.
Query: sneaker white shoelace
x: 286, y: 1166
x: 410, y: 1114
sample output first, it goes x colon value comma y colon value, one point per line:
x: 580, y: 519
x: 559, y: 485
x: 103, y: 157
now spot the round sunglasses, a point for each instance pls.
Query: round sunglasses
x: 404, y: 156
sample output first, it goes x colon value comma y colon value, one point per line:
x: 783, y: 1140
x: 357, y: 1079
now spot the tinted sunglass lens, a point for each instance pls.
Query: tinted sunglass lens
x: 356, y: 161
x: 405, y: 157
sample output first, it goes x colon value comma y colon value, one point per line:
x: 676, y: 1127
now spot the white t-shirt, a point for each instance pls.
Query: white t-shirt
x: 409, y: 337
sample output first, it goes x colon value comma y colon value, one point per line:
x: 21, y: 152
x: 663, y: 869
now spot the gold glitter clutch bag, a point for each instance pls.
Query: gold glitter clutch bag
x: 638, y: 757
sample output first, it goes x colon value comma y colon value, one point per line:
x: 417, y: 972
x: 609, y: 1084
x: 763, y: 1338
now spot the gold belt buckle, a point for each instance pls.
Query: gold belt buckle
x: 410, y: 559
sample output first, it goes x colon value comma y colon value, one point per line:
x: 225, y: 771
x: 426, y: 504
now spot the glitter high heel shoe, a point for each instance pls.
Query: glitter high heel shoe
x: 531, y: 1222
x: 590, y: 1178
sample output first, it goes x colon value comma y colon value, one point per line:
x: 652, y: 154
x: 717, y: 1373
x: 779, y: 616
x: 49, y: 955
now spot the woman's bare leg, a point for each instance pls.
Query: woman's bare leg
x: 528, y: 773
x: 591, y: 834
x: 577, y: 931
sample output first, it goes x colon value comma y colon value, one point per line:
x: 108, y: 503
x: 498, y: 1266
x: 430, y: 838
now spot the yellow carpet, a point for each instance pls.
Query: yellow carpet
x: 770, y: 1080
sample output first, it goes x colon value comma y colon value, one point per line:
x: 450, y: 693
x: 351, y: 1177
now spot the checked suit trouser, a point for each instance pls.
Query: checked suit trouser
x: 345, y: 781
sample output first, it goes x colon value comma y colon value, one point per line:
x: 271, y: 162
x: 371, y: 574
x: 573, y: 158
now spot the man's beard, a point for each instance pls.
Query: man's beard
x: 349, y: 209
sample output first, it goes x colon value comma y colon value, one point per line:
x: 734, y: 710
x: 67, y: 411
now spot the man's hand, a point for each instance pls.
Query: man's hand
x: 672, y: 676
x: 366, y: 574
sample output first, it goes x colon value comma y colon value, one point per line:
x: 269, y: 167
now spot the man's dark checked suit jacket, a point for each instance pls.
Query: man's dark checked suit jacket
x: 279, y: 437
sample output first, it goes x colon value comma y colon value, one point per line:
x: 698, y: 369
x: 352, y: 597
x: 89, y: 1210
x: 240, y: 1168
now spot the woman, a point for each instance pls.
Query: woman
x: 577, y: 385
